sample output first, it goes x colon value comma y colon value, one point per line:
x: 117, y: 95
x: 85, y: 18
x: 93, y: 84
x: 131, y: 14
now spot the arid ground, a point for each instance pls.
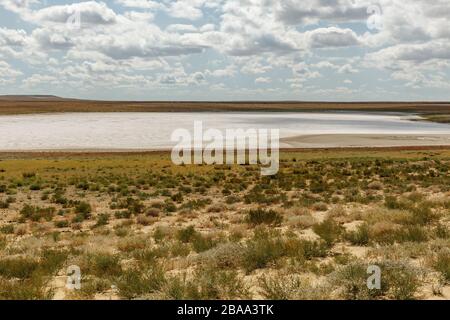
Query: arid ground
x: 139, y: 227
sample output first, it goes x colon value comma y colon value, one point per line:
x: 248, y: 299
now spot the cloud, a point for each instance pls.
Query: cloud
x: 12, y: 37
x: 141, y: 4
x: 312, y: 11
x: 8, y: 75
x: 187, y: 9
x: 263, y: 80
x: 90, y: 12
x: 416, y: 53
x: 332, y: 37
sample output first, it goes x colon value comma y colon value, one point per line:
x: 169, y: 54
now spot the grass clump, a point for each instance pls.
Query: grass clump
x: 442, y: 264
x: 261, y: 216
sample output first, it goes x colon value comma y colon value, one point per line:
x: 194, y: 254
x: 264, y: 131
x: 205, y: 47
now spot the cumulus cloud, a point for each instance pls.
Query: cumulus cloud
x: 332, y: 37
x: 90, y: 12
x: 8, y: 74
x: 312, y: 11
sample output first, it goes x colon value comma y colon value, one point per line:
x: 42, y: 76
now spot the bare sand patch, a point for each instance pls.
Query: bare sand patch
x: 365, y: 140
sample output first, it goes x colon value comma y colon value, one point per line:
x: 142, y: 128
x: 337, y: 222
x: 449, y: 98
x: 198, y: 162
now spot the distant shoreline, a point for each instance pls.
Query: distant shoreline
x: 14, y: 105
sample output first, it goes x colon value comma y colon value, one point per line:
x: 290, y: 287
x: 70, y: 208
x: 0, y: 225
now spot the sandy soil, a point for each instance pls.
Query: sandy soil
x: 364, y: 140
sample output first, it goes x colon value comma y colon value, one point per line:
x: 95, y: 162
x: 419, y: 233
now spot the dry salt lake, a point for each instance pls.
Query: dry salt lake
x: 151, y: 131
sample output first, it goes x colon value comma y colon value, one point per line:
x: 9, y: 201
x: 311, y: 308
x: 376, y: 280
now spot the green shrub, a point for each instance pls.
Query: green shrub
x: 290, y: 287
x: 29, y: 289
x: 399, y: 281
x: 137, y: 283
x: 36, y: 213
x: 83, y: 208
x: 187, y: 234
x: 261, y: 216
x: 7, y: 229
x: 262, y: 250
x: 412, y: 234
x: 422, y: 214
x: 4, y: 205
x: 202, y: 243
x: 102, y: 220
x: 328, y: 230
x: 442, y: 264
x: 22, y: 268
x: 102, y: 265
x: 360, y: 237
x: 208, y: 284
x: 61, y: 224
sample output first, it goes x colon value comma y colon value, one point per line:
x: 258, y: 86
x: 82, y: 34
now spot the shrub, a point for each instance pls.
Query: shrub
x: 320, y: 206
x: 36, y: 213
x: 314, y: 249
x: 412, y: 233
x: 232, y: 199
x: 263, y: 249
x: 384, y: 232
x: 28, y: 175
x: 4, y: 205
x: 392, y: 202
x: 202, y: 243
x: 21, y: 268
x: 152, y: 212
x: 102, y: 265
x: 261, y: 216
x: 290, y: 287
x: 360, y: 237
x: 28, y: 289
x: 442, y: 231
x: 51, y: 261
x: 83, y: 208
x: 399, y: 281
x: 144, y: 220
x: 375, y: 185
x: 422, y: 214
x: 61, y: 224
x: 225, y: 255
x: 7, y: 229
x: 137, y: 283
x: 187, y: 234
x: 328, y: 230
x: 102, y: 220
x: 208, y: 284
x: 160, y: 234
x: 442, y: 264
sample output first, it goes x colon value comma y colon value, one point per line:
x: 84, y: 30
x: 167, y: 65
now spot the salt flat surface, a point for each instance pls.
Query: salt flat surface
x: 85, y: 131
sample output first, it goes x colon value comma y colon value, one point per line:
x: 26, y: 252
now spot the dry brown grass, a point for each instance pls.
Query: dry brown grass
x: 26, y: 105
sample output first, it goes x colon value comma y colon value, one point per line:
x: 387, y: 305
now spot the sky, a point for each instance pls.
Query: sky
x: 216, y: 50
